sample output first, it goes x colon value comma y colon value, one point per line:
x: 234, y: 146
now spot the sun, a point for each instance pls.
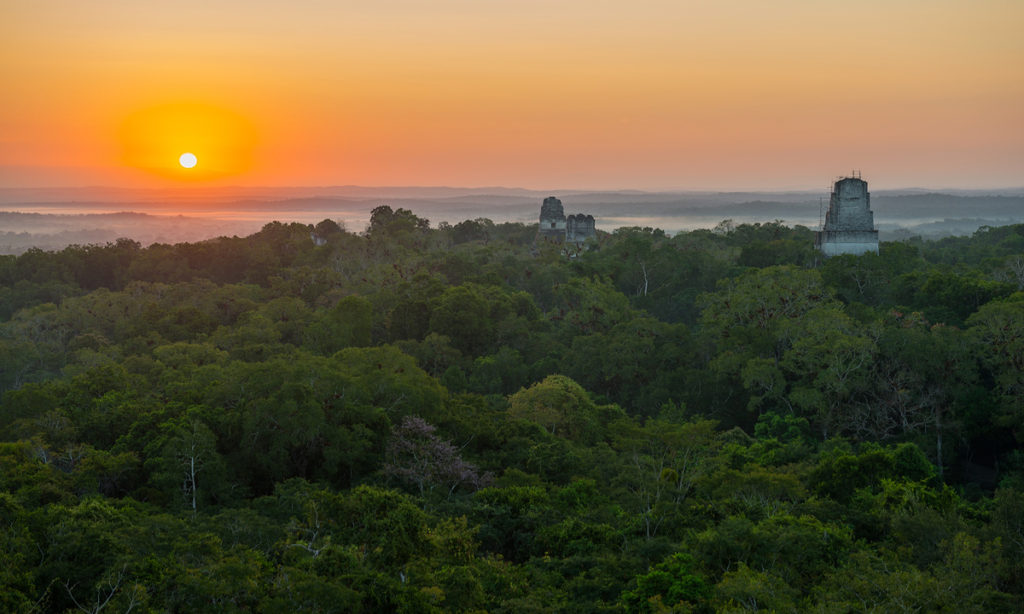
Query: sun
x: 187, y: 142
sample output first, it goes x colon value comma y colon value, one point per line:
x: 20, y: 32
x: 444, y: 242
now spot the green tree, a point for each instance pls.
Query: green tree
x: 748, y: 590
x: 829, y: 359
x: 558, y: 404
x: 347, y: 324
x: 667, y: 585
x: 185, y: 462
x: 663, y: 461
x: 477, y: 318
x: 999, y: 327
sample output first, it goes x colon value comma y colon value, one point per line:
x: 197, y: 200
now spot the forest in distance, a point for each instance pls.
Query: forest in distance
x: 462, y: 418
x: 55, y: 218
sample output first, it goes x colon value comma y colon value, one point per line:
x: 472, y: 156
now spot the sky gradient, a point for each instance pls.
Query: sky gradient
x: 653, y: 95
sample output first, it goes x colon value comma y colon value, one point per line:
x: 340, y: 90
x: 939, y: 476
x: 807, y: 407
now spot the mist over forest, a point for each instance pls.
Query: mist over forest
x: 466, y: 417
x: 54, y: 218
x: 229, y: 385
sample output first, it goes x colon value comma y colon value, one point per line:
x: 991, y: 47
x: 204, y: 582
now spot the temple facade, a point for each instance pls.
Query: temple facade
x: 849, y: 224
x: 555, y: 226
x: 579, y: 228
x: 552, y: 220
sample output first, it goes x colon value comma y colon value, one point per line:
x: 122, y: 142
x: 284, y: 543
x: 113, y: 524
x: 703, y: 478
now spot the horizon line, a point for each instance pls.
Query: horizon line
x: 193, y: 188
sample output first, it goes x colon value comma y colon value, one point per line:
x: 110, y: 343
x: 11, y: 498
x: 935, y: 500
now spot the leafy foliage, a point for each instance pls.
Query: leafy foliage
x: 418, y: 419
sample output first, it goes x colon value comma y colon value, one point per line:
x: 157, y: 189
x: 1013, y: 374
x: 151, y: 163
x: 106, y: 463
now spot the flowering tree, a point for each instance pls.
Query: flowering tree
x: 417, y: 456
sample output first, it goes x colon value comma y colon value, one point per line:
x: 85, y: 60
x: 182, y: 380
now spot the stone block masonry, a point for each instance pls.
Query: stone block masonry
x: 579, y: 228
x: 849, y: 226
x: 554, y: 226
x: 552, y: 219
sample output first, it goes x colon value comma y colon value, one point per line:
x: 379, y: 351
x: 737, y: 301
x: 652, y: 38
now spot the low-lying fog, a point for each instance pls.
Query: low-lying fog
x: 54, y: 218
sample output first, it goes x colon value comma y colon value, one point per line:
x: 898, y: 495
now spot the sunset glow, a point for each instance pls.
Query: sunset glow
x: 648, y: 95
x: 152, y: 137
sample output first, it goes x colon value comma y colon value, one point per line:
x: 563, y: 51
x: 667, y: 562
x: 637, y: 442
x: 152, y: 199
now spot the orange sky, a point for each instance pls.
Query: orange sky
x: 645, y: 94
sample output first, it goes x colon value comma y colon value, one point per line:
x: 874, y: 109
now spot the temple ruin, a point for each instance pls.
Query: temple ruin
x: 554, y: 226
x: 579, y: 228
x: 552, y: 220
x: 849, y: 224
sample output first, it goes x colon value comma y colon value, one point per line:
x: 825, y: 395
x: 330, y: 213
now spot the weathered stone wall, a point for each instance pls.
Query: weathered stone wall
x: 849, y: 226
x: 552, y: 219
x: 849, y: 208
x: 554, y: 226
x: 833, y: 243
x: 579, y: 228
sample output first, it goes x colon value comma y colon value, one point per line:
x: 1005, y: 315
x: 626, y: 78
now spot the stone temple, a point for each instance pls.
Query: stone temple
x: 554, y: 226
x: 849, y: 226
x: 552, y: 219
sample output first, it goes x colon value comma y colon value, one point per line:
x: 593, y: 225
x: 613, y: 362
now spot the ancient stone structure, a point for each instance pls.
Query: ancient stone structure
x: 849, y: 225
x: 579, y: 228
x: 554, y: 226
x: 552, y: 219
